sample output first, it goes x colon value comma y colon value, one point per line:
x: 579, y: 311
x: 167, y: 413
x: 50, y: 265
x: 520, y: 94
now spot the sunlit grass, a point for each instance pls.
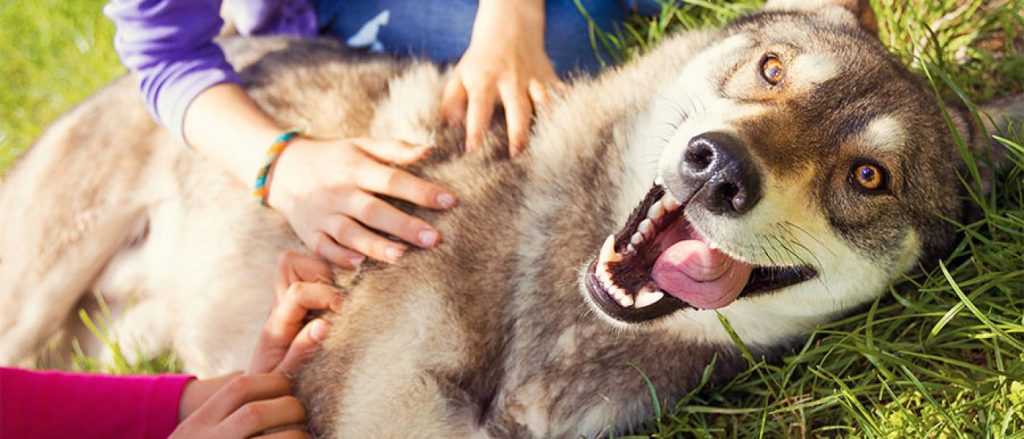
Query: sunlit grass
x: 53, y: 53
x: 940, y: 355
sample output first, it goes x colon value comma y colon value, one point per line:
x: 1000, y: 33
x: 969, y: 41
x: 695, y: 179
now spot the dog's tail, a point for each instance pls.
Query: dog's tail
x: 60, y: 224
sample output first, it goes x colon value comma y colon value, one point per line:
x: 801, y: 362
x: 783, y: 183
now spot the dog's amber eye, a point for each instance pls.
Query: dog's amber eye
x: 772, y: 70
x: 869, y: 176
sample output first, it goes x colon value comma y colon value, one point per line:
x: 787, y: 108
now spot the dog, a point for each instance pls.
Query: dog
x: 775, y: 174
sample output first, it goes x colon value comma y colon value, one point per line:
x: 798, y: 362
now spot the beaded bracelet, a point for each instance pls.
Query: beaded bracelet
x: 261, y: 189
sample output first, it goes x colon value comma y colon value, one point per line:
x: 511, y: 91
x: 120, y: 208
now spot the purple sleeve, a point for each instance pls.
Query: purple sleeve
x: 59, y: 405
x: 169, y: 45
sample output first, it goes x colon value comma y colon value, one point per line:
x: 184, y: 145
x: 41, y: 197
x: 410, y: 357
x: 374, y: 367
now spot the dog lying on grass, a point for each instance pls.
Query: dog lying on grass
x: 774, y: 174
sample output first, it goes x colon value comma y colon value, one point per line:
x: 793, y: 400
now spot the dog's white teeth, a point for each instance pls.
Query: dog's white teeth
x: 713, y: 245
x: 623, y: 297
x: 646, y: 228
x: 670, y: 202
x: 618, y: 293
x: 630, y: 248
x: 608, y: 253
x: 659, y: 181
x: 636, y: 239
x: 647, y: 298
x: 656, y: 212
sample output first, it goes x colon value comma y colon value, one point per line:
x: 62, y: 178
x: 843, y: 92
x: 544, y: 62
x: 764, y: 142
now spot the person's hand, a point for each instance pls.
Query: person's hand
x: 240, y: 406
x: 505, y: 61
x: 302, y: 285
x: 326, y: 190
x: 237, y: 405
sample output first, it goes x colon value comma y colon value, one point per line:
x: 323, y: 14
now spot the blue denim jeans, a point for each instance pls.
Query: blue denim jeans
x: 439, y: 30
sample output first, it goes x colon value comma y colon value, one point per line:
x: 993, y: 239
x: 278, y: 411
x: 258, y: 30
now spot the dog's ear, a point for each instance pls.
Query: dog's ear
x: 839, y: 9
x: 996, y: 118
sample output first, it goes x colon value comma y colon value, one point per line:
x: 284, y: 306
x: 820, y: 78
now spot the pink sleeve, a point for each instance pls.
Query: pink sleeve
x: 36, y: 404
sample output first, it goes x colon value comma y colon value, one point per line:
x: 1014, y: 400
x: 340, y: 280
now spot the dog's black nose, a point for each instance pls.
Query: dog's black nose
x: 723, y: 169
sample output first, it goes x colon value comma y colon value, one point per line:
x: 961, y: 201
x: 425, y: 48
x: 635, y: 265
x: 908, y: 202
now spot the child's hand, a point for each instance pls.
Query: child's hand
x: 240, y: 406
x: 505, y: 61
x: 237, y: 405
x: 302, y: 285
x: 327, y: 190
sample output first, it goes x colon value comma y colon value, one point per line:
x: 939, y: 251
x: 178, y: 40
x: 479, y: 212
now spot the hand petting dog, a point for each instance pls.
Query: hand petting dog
x: 248, y: 404
x: 506, y: 61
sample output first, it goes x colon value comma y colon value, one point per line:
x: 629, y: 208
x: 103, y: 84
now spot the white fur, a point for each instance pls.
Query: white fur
x: 813, y: 68
x: 884, y: 134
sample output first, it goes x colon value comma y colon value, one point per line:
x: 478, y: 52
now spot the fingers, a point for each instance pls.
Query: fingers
x: 257, y: 416
x: 349, y: 233
x: 453, y: 100
x: 478, y: 116
x: 293, y: 267
x: 379, y: 215
x: 282, y: 329
x: 392, y: 151
x: 540, y: 95
x: 518, y: 110
x: 307, y: 342
x: 324, y: 245
x: 287, y: 317
x: 246, y: 389
x: 518, y: 99
x: 400, y: 184
x: 288, y: 434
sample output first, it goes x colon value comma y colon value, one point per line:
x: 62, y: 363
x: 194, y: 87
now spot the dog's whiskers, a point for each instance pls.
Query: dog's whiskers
x: 801, y: 229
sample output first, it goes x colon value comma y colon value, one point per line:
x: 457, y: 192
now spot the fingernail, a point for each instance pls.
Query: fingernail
x: 446, y: 201
x: 428, y: 238
x: 336, y: 304
x: 394, y: 253
x: 356, y: 260
x: 319, y: 331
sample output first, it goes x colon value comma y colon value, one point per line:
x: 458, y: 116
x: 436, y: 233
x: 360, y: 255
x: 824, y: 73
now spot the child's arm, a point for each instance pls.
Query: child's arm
x: 60, y: 404
x: 325, y: 188
x: 505, y: 61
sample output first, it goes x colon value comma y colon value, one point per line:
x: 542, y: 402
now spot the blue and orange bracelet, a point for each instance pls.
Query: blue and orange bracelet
x: 261, y: 189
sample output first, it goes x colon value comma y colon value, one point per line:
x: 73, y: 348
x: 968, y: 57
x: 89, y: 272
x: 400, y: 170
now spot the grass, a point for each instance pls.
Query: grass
x: 54, y: 53
x: 941, y: 355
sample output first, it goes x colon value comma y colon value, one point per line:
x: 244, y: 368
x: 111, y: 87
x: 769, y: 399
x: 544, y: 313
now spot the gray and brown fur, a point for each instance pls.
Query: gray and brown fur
x: 487, y: 335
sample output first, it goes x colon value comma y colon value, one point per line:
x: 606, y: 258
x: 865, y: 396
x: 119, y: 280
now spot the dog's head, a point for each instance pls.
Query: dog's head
x: 802, y: 168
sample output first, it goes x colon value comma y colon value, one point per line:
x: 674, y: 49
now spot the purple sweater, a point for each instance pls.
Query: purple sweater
x: 169, y: 44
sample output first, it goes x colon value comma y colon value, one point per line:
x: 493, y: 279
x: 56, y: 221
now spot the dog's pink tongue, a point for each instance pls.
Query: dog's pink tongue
x: 700, y: 276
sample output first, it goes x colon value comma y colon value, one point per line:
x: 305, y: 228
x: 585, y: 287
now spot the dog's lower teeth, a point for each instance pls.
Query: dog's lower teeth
x: 647, y: 298
x: 605, y: 277
x: 630, y: 249
x: 625, y: 300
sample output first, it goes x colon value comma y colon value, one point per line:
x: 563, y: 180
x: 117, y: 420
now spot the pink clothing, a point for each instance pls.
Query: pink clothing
x: 38, y: 404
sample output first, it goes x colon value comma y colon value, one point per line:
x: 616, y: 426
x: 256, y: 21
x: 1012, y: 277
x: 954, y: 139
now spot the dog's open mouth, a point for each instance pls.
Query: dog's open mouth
x: 658, y: 264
